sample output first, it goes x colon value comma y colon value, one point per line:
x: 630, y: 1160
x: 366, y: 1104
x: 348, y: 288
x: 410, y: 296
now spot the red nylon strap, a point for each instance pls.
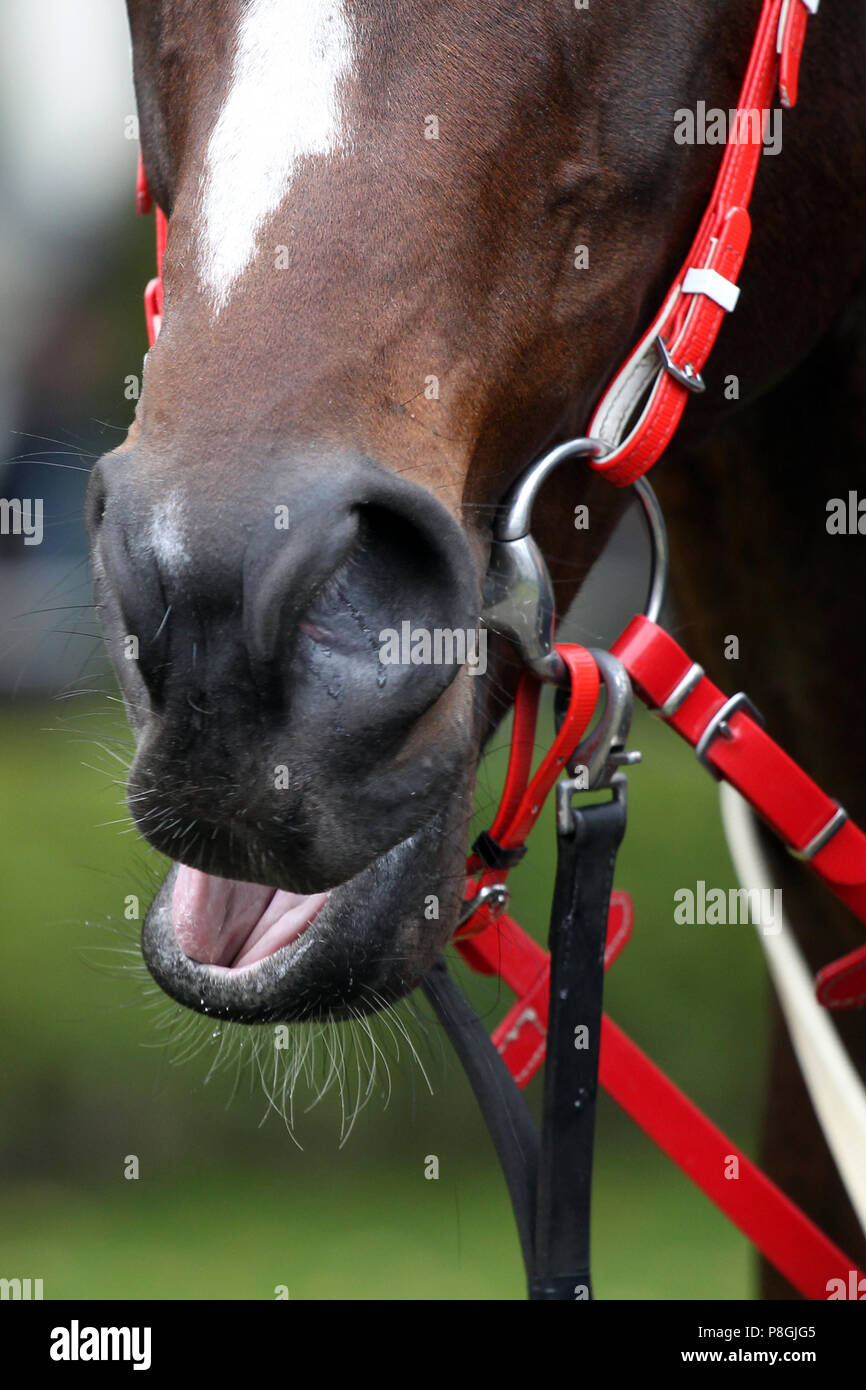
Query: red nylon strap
x: 788, y: 800
x: 522, y: 798
x: 143, y: 202
x: 154, y: 293
x: 690, y: 320
x: 792, y: 36
x: 779, y: 1229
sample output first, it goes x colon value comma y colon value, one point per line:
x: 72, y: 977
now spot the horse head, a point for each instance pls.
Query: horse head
x: 408, y: 244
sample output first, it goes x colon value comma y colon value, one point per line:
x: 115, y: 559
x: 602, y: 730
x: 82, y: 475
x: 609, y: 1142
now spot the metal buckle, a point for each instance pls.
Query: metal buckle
x: 493, y: 896
x: 565, y: 791
x: 602, y: 751
x: 718, y: 725
x: 685, y: 375
x: 694, y: 675
x: 597, y: 759
x: 833, y: 826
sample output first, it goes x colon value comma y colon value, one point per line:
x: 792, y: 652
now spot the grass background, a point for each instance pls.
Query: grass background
x: 228, y: 1207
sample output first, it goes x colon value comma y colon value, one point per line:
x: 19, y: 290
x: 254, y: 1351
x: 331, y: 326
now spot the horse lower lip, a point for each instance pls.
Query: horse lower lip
x: 219, y: 921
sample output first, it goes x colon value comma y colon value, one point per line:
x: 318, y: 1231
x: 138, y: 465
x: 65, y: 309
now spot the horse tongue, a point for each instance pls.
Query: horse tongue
x: 214, y: 917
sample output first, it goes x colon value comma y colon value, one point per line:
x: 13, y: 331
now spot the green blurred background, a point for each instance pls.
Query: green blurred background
x: 96, y: 1064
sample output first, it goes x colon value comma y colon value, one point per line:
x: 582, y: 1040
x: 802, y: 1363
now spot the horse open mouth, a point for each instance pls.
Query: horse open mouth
x: 224, y: 922
x: 250, y: 953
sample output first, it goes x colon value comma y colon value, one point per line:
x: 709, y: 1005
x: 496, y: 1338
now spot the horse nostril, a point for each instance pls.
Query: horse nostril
x: 280, y: 616
x: 404, y: 573
x: 128, y: 587
x: 382, y: 636
x: 366, y: 551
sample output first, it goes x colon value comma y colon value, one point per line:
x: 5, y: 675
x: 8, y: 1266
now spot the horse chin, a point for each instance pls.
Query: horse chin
x: 251, y: 954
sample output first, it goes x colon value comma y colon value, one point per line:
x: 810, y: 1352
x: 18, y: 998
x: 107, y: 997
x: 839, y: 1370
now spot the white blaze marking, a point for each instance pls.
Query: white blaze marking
x: 167, y: 536
x: 283, y: 103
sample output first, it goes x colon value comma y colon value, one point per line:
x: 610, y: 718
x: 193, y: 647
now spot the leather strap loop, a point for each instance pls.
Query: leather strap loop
x: 523, y: 797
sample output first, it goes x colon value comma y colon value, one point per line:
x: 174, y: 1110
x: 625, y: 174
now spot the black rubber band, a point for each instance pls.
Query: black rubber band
x: 495, y: 855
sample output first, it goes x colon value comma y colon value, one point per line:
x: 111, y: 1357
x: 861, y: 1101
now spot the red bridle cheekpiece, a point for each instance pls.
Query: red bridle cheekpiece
x: 665, y: 367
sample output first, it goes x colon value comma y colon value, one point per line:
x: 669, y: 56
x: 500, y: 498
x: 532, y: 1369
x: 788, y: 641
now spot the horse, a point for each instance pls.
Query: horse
x: 407, y: 247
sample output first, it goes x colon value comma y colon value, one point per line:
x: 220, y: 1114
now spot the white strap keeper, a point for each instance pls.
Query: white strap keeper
x: 723, y: 292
